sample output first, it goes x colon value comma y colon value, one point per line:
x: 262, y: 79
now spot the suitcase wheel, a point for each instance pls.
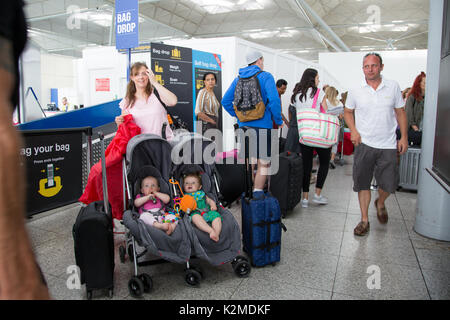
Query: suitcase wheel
x: 241, y: 266
x: 136, y: 287
x: 192, y: 277
x: 147, y: 281
x: 89, y: 294
x: 110, y: 292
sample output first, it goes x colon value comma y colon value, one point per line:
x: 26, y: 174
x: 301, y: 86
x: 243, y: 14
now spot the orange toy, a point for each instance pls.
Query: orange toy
x: 188, y: 203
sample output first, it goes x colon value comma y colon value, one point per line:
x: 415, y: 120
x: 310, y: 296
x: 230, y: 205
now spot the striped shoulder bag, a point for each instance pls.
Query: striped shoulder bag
x: 317, y: 129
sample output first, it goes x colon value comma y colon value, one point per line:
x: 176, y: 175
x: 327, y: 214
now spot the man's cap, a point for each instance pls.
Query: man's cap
x: 252, y: 56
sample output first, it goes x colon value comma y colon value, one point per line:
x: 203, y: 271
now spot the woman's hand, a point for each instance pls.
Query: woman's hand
x: 151, y: 76
x: 119, y: 120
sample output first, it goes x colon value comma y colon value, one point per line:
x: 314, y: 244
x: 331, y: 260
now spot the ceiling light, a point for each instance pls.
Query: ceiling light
x: 103, y: 19
x: 288, y: 33
x: 216, y: 9
x: 224, y: 6
x: 263, y: 35
x: 369, y: 29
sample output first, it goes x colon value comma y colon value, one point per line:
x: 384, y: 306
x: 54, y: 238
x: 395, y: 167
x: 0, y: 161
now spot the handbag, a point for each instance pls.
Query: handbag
x: 316, y: 129
x: 174, y: 121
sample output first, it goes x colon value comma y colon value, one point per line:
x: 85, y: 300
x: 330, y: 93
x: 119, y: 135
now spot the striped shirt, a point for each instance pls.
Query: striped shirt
x: 207, y: 103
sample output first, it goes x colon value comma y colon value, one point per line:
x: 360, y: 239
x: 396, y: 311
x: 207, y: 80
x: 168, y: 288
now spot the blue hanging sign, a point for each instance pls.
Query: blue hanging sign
x: 127, y: 24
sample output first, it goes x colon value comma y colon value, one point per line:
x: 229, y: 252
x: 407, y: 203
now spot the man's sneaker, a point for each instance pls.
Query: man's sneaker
x: 319, y: 199
x: 305, y: 203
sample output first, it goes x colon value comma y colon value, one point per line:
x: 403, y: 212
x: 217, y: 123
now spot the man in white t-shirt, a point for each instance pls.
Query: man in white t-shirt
x: 372, y: 113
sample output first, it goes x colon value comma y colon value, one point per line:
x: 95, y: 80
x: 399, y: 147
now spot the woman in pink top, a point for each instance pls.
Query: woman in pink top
x: 140, y: 101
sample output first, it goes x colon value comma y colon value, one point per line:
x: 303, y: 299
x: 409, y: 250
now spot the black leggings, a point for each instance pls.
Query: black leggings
x: 324, y: 160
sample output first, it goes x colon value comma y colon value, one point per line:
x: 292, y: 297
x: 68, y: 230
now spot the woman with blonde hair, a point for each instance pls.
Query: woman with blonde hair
x: 144, y: 100
x: 331, y: 101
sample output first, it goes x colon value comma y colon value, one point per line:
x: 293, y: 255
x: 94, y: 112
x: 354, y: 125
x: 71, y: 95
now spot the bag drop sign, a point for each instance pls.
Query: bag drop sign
x: 127, y: 24
x: 124, y: 23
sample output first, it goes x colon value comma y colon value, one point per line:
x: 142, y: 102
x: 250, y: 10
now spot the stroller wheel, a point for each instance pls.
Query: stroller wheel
x: 237, y: 259
x: 122, y: 253
x: 192, y: 277
x: 136, y: 287
x: 241, y: 267
x: 147, y: 282
x: 199, y: 270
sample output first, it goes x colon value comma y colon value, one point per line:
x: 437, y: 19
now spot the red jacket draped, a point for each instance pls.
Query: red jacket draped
x: 113, y: 154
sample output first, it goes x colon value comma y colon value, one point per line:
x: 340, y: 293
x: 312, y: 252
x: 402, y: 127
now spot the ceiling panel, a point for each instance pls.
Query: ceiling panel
x: 284, y: 25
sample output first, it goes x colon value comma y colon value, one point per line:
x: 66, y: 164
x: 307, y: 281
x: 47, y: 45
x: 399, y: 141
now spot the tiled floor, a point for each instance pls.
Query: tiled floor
x: 321, y: 258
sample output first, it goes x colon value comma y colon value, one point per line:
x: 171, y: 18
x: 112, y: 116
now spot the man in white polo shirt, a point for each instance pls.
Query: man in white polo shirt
x: 372, y: 113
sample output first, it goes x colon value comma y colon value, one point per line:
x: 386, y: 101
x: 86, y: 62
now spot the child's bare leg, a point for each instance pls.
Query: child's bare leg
x: 171, y: 228
x: 204, y: 226
x: 217, y: 227
x: 200, y: 223
x: 161, y: 226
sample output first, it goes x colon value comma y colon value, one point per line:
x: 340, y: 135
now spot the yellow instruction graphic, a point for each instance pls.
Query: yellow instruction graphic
x: 176, y: 54
x: 50, y: 186
x: 200, y: 84
x: 158, y: 68
x: 159, y: 79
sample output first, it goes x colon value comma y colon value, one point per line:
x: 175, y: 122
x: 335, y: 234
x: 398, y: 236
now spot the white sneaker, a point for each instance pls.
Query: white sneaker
x: 305, y: 203
x: 319, y: 199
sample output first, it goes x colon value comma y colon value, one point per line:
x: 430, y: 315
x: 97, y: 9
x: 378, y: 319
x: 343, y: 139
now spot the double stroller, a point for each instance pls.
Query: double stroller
x: 151, y: 155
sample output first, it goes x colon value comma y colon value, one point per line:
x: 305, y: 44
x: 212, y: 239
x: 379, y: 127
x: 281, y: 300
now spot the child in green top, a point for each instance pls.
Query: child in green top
x: 205, y: 217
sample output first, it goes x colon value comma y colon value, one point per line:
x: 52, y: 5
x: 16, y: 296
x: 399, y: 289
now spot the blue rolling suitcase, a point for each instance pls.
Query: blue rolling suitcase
x: 261, y: 228
x: 261, y: 225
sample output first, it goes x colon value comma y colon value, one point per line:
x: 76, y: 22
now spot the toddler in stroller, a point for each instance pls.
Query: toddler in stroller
x: 149, y: 155
x: 150, y: 207
x: 227, y: 248
x: 205, y: 217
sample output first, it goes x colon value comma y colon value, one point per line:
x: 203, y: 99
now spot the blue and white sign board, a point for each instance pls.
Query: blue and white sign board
x: 127, y: 24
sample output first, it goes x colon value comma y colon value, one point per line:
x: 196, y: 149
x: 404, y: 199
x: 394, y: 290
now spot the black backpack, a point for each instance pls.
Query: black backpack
x: 248, y: 102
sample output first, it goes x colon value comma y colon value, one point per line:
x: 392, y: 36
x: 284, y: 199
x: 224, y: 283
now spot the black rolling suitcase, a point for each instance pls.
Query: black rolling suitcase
x: 231, y: 180
x: 286, y: 184
x: 94, y: 241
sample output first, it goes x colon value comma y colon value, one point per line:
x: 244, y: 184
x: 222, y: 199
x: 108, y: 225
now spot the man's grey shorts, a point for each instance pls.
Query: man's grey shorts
x: 368, y: 162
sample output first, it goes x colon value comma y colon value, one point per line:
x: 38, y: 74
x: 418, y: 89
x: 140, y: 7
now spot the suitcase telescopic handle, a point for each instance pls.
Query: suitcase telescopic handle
x: 104, y: 180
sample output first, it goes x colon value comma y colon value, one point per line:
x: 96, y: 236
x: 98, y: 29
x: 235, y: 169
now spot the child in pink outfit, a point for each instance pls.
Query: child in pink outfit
x: 150, y: 202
